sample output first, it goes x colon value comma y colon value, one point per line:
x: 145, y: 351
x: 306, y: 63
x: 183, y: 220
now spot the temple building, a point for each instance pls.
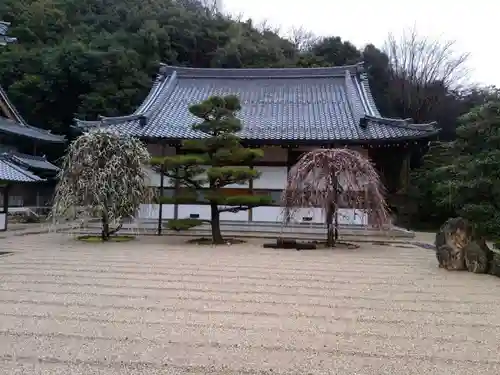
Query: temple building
x: 285, y: 112
x: 26, y: 177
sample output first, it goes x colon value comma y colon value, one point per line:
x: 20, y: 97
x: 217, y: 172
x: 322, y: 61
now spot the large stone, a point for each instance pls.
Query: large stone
x: 477, y: 256
x: 495, y: 263
x: 451, y: 239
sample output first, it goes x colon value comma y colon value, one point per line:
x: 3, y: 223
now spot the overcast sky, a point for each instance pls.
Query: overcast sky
x: 474, y: 25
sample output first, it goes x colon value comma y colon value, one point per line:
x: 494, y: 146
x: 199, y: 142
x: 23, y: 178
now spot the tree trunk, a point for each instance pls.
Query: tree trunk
x: 215, y: 224
x: 330, y: 234
x: 105, y: 226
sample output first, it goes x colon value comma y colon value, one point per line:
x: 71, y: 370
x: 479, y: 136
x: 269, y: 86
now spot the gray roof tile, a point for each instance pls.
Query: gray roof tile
x: 4, y: 38
x: 14, y: 173
x: 33, y: 162
x: 321, y: 104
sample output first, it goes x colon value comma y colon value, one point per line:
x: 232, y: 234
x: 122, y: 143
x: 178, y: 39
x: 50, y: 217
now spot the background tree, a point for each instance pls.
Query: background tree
x: 422, y: 73
x: 211, y: 163
x: 433, y: 206
x: 86, y: 58
x: 102, y: 176
x: 471, y: 182
x: 325, y: 177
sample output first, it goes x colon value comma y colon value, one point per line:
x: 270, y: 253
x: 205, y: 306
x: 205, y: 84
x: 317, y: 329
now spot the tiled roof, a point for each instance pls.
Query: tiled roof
x: 299, y: 104
x: 32, y: 162
x: 18, y: 125
x: 4, y: 38
x: 14, y: 173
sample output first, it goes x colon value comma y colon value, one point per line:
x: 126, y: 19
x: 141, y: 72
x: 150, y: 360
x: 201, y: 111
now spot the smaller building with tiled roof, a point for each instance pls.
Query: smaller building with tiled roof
x: 4, y: 38
x: 16, y: 168
x: 284, y: 111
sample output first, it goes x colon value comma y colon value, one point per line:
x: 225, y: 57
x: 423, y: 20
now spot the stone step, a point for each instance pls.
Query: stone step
x: 251, y: 229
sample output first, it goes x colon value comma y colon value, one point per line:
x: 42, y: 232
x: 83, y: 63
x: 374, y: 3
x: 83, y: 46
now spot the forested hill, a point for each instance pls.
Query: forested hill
x: 89, y: 57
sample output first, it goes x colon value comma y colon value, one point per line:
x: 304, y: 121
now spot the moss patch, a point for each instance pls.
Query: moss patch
x: 98, y: 239
x: 208, y: 241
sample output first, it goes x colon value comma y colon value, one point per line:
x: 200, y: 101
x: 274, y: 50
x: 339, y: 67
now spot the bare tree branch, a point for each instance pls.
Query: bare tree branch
x: 302, y: 39
x: 422, y: 70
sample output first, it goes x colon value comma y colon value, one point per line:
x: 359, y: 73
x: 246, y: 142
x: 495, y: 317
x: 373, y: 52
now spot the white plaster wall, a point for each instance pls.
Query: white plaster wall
x: 155, y: 179
x: 349, y: 216
x: 238, y: 216
x: 3, y: 221
x: 314, y: 213
x: 271, y: 178
x: 267, y: 214
x: 152, y: 211
x: 185, y: 210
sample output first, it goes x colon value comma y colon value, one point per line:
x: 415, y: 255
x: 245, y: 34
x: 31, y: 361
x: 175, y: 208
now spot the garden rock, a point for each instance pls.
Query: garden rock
x: 451, y: 239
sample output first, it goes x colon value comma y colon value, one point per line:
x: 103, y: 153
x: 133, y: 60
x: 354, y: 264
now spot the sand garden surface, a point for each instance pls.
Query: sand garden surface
x: 159, y: 306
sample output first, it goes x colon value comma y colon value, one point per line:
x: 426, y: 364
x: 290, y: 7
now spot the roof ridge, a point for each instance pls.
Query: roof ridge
x: 28, y: 156
x: 262, y: 73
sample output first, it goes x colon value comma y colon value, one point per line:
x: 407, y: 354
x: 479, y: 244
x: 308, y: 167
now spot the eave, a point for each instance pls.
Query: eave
x: 11, y: 172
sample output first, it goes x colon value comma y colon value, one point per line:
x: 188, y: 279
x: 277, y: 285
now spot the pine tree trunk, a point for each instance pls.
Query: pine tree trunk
x: 105, y: 227
x: 215, y: 224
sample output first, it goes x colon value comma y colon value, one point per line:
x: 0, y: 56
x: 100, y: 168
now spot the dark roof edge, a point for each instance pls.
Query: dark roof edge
x: 262, y: 73
x: 429, y: 127
x: 325, y: 142
x: 367, y: 95
x: 19, y: 120
x: 28, y: 174
x: 17, y: 116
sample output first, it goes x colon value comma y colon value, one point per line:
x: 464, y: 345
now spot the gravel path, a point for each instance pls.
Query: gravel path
x: 150, y: 308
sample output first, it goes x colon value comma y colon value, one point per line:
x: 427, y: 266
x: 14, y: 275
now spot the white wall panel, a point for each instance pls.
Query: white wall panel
x: 185, y: 210
x: 271, y: 178
x: 238, y: 216
x: 349, y: 216
x: 267, y: 214
x: 155, y: 179
x: 151, y: 211
x: 3, y: 222
x: 314, y: 213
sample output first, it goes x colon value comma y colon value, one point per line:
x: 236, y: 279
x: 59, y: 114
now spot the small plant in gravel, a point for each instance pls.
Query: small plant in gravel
x: 102, y: 176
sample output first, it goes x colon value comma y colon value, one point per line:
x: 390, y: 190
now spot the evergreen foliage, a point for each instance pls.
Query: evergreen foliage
x: 463, y: 177
x: 211, y: 163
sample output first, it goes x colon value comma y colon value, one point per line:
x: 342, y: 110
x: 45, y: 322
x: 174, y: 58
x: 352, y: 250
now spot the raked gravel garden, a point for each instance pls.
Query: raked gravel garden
x: 160, y: 306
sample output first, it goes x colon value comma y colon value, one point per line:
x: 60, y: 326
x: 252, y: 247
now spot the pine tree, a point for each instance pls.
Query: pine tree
x: 471, y: 183
x: 216, y: 160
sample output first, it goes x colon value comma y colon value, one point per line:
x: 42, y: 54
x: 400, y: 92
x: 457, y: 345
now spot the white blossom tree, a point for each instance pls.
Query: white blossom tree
x: 103, y: 175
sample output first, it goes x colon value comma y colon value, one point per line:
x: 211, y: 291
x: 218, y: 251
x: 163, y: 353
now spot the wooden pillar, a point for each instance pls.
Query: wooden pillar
x: 289, y: 164
x: 5, y: 209
x: 250, y: 187
x: 162, y: 187
x: 176, y: 188
x: 405, y: 172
